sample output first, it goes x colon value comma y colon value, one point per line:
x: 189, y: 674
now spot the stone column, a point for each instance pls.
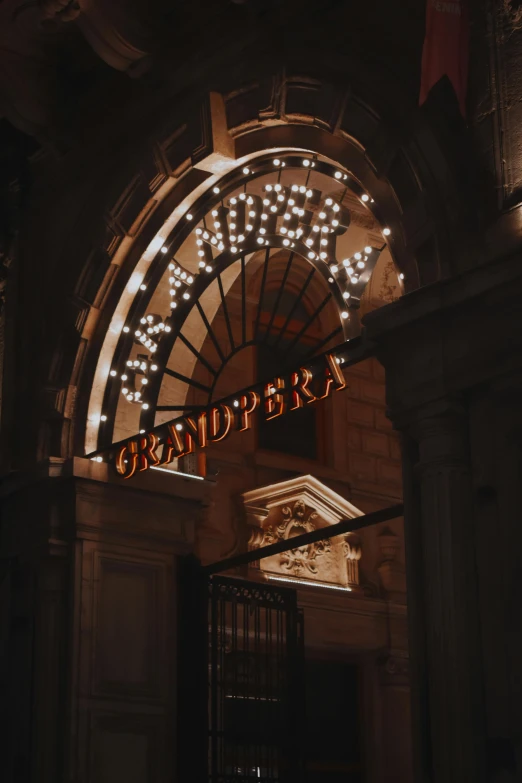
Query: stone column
x: 448, y: 714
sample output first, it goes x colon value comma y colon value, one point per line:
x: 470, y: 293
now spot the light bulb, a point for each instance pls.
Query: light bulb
x: 276, y: 161
x: 145, y: 406
x: 188, y: 216
x: 344, y: 314
x: 364, y: 197
x: 367, y: 249
x: 113, y: 373
x: 103, y: 417
x: 126, y: 329
x: 386, y: 232
x: 306, y: 162
x: 143, y: 287
x: 163, y: 249
x: 179, y: 427
x: 246, y: 170
x: 346, y: 295
x: 215, y: 189
x: 338, y: 175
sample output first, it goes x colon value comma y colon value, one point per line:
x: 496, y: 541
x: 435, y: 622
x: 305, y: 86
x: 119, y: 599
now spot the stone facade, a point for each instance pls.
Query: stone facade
x: 115, y: 117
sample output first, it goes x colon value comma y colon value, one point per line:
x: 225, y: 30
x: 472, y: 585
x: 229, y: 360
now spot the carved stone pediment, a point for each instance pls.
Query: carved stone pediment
x: 282, y: 511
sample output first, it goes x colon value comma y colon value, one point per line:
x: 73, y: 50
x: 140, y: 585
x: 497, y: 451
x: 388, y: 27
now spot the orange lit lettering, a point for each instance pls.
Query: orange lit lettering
x: 196, y: 432
x: 214, y: 424
x: 333, y: 376
x: 137, y: 455
x: 274, y: 401
x: 247, y: 405
x: 219, y: 423
x: 126, y: 460
x: 173, y: 446
x: 300, y: 393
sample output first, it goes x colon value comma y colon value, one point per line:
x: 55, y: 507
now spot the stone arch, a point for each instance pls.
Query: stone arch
x: 121, y: 209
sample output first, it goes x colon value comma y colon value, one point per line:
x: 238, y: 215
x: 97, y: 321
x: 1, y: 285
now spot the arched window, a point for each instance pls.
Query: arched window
x: 285, y: 316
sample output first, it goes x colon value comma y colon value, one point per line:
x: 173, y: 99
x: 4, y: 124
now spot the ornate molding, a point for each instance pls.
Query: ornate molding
x: 290, y: 508
x: 352, y: 552
x: 296, y: 521
x: 328, y: 504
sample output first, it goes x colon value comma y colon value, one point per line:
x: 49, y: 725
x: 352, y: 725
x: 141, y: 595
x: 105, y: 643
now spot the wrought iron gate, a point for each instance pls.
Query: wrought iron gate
x: 241, y: 681
x: 256, y: 688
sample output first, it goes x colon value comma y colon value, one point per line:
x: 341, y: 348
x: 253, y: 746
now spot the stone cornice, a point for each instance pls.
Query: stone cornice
x: 328, y: 504
x: 441, y: 341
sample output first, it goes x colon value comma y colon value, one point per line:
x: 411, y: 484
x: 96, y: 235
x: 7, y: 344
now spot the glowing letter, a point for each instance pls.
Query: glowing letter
x: 219, y: 423
x: 274, y: 401
x: 247, y: 405
x: 299, y: 388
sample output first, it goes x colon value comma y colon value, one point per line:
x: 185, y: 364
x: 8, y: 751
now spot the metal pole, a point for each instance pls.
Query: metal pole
x: 321, y: 534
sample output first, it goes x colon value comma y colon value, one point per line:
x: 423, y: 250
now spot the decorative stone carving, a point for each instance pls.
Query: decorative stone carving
x: 352, y: 552
x: 297, y: 521
x: 288, y: 509
x: 391, y: 572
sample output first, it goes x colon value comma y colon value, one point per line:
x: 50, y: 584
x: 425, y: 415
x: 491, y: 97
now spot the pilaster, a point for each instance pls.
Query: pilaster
x: 444, y: 349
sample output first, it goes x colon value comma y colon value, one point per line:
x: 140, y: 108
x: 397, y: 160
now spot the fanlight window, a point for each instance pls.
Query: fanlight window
x: 213, y: 289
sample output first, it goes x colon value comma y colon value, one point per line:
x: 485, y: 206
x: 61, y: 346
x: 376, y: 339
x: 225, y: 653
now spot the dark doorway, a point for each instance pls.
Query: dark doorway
x: 332, y: 726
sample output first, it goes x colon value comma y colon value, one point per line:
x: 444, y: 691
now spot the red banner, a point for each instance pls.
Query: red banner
x: 446, y: 46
